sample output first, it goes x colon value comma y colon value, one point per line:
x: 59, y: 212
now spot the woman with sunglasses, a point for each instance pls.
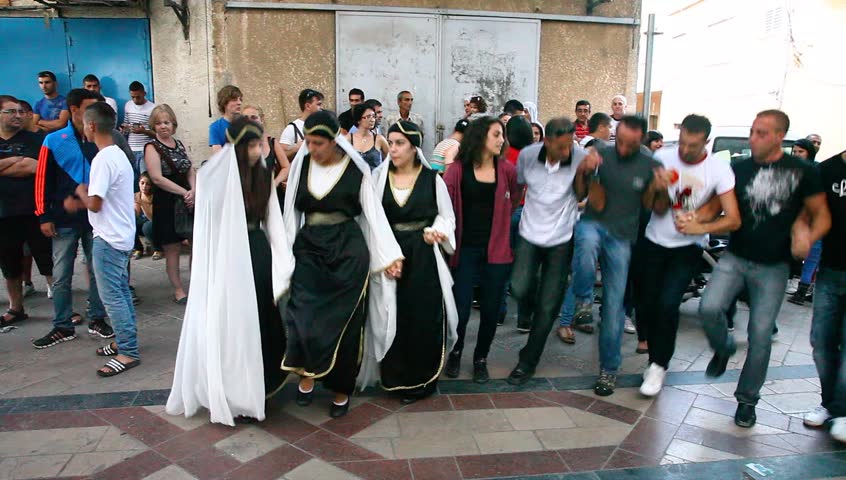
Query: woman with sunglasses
x: 370, y: 145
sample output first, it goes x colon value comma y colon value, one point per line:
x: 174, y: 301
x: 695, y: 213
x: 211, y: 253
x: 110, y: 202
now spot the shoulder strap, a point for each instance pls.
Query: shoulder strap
x: 297, y: 133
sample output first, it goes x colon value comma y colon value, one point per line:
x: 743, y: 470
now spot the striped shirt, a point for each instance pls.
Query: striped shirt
x: 138, y: 114
x: 438, y: 160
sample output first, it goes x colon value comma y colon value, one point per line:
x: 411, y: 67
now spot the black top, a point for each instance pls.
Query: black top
x: 17, y: 194
x: 420, y: 205
x: 770, y: 198
x: 833, y: 173
x: 345, y: 120
x: 342, y: 198
x: 477, y: 209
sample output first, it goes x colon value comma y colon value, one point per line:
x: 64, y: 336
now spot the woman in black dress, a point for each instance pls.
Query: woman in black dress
x: 173, y: 177
x: 418, y: 207
x: 344, y: 239
x: 232, y: 340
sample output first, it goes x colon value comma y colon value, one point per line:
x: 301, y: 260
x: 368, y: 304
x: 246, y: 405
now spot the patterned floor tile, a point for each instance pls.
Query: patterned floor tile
x: 287, y: 427
x: 697, y: 453
x: 435, y: 403
x: 193, y: 441
x: 471, y: 402
x: 507, y: 442
x: 318, y: 469
x: 378, y: 469
x: 209, y: 463
x: 333, y: 448
x: 49, y: 420
x: 616, y: 412
x: 503, y: 465
x: 560, y: 439
x: 435, y: 444
x: 724, y: 423
x: 538, y: 418
x: 135, y: 468
x: 50, y: 442
x: 171, y: 472
x: 649, y: 438
x: 380, y: 446
x: 385, y: 428
x: 357, y: 419
x: 249, y: 443
x: 625, y: 459
x: 586, y: 459
x: 435, y: 469
x: 271, y: 465
x: 14, y: 468
x: 671, y: 405
x: 84, y: 464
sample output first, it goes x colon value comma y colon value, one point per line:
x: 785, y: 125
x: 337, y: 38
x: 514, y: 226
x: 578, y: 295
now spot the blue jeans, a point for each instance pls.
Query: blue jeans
x: 594, y: 242
x: 473, y: 263
x: 765, y: 284
x: 809, y: 267
x: 64, y: 256
x: 113, y: 278
x: 828, y: 338
x: 568, y: 308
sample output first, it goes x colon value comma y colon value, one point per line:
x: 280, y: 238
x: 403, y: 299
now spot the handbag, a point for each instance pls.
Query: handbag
x: 183, y: 217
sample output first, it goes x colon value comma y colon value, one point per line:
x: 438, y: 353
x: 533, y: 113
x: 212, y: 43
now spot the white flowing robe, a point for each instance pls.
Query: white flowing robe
x: 443, y: 223
x: 219, y: 360
x: 381, y: 322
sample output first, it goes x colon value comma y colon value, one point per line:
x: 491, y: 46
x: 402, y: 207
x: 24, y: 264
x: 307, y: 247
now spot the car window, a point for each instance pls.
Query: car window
x: 737, y: 148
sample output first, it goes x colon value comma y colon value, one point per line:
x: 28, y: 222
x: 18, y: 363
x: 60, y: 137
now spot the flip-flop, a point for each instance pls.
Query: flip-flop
x: 16, y: 316
x: 107, y: 351
x: 181, y: 301
x: 117, y: 367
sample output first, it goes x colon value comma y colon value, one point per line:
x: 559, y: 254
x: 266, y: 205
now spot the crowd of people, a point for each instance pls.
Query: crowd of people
x: 367, y: 254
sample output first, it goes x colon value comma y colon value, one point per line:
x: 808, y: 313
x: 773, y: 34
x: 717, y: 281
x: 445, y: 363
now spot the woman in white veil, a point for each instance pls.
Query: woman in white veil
x: 232, y: 339
x: 345, y: 254
x: 419, y: 209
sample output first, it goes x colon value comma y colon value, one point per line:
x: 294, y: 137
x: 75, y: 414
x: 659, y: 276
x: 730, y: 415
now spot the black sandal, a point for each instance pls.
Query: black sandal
x: 116, y: 367
x: 16, y: 316
x: 107, y: 351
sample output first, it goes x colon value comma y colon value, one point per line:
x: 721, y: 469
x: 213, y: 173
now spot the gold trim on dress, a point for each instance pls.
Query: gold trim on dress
x: 302, y: 372
x: 440, y: 365
x: 413, y: 184
x: 345, y: 161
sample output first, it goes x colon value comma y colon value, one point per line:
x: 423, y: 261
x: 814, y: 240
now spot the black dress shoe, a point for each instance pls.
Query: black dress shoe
x: 304, y: 398
x: 480, y: 371
x: 453, y: 365
x: 745, y: 415
x: 717, y: 365
x: 520, y: 375
x: 339, y: 410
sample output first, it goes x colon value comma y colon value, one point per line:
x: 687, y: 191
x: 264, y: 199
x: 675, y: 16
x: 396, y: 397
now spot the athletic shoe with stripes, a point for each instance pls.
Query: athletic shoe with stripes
x: 55, y: 337
x: 100, y: 328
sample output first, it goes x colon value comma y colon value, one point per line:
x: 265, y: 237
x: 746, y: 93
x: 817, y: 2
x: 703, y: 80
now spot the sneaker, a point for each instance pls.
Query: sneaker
x: 838, y: 429
x: 817, y: 417
x: 480, y: 371
x: 28, y: 289
x: 653, y: 380
x: 605, y: 385
x: 55, y: 337
x: 629, y: 327
x: 453, y: 365
x: 524, y: 325
x: 99, y: 327
x: 792, y: 286
x: 49, y: 291
x: 745, y: 415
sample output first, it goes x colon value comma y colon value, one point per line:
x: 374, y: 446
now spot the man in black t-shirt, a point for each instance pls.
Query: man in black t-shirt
x: 829, y: 323
x: 18, y: 223
x: 772, y: 189
x: 345, y: 119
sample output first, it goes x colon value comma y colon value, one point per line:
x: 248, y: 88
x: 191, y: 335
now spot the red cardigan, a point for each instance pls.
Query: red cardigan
x: 505, y: 198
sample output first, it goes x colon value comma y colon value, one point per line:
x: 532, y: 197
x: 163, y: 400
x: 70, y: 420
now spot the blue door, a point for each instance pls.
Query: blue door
x: 117, y: 50
x: 32, y: 45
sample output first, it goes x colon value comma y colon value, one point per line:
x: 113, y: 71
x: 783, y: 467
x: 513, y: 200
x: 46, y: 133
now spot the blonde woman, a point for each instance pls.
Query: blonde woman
x: 173, y: 177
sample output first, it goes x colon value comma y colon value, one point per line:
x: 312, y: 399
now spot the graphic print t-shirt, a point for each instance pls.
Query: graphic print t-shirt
x: 833, y: 172
x: 770, y: 198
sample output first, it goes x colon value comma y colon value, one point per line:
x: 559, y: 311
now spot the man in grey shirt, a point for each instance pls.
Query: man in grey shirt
x: 616, y: 185
x: 544, y: 248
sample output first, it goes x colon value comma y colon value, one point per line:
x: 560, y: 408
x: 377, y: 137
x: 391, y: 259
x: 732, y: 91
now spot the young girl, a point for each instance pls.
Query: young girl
x: 418, y: 207
x: 144, y: 219
x: 232, y: 339
x: 344, y: 249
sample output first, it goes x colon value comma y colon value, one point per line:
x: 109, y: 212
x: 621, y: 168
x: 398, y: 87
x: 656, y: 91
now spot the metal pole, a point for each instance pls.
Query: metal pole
x: 647, y: 78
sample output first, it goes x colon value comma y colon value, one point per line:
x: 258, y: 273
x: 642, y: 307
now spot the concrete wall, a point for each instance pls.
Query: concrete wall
x: 273, y: 54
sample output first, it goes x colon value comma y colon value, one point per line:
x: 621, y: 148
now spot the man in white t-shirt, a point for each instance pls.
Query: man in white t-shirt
x: 618, y: 111
x: 110, y: 202
x: 136, y: 120
x: 671, y: 251
x: 92, y: 83
x: 292, y: 137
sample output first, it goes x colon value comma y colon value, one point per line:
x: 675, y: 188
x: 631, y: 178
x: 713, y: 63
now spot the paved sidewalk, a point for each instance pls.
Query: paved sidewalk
x: 59, y: 420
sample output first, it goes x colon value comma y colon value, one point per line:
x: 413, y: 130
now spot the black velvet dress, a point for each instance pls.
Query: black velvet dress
x: 415, y: 359
x: 325, y: 316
